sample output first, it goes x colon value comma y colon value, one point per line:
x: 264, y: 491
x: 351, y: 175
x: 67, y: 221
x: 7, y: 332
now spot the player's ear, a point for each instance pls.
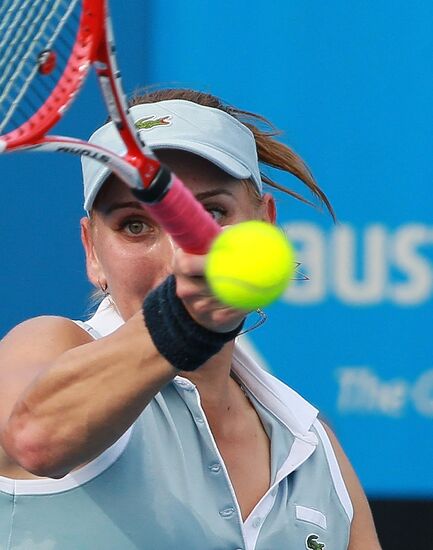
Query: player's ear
x: 95, y: 272
x: 269, y: 209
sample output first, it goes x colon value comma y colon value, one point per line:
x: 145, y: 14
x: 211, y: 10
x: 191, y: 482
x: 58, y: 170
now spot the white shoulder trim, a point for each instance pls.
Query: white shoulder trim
x: 89, y: 329
x: 48, y: 486
x: 105, y: 320
x: 292, y: 409
x: 334, y: 467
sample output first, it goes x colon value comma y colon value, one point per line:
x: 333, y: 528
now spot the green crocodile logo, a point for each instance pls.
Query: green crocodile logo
x: 149, y: 122
x: 312, y: 544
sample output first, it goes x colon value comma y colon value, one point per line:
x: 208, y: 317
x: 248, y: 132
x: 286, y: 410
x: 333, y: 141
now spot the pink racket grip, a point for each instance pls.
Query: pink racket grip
x: 184, y: 218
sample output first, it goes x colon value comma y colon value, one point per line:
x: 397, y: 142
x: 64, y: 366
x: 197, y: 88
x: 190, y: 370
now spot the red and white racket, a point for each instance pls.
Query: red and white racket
x: 47, y: 48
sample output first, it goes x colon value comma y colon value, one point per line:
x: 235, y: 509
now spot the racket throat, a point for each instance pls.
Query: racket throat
x: 158, y: 188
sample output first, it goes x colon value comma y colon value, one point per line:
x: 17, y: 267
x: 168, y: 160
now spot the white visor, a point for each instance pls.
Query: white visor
x: 178, y: 124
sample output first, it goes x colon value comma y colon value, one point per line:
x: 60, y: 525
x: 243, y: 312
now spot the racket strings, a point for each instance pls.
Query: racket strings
x: 30, y: 32
x: 37, y: 41
x: 17, y: 38
x: 14, y: 52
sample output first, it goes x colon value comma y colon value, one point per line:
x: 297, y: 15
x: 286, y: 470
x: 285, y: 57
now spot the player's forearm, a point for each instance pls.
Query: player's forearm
x: 85, y: 401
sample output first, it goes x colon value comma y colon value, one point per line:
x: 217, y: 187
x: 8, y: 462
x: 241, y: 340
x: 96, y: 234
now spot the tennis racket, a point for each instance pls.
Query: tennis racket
x: 47, y: 48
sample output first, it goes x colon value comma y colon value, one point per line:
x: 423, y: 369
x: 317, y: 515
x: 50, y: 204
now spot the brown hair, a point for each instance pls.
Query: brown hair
x: 271, y: 152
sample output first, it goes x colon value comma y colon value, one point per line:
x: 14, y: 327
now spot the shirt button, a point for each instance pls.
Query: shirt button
x: 215, y: 467
x: 227, y: 512
x: 199, y: 419
x: 257, y: 522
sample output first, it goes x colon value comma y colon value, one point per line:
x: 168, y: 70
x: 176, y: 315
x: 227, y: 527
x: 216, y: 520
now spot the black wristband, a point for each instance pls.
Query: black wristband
x: 184, y: 343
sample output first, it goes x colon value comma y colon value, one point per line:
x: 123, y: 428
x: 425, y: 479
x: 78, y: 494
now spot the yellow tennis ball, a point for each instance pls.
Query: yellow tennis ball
x: 250, y: 264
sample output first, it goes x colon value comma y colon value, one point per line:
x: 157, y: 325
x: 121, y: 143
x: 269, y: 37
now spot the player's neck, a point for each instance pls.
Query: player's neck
x: 214, y: 383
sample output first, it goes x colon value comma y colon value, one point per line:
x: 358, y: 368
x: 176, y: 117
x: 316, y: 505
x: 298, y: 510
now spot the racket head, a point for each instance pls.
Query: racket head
x: 46, y: 50
x: 41, y: 76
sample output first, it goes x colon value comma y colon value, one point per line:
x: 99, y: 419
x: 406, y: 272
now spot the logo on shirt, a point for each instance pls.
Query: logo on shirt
x: 149, y: 122
x: 312, y: 543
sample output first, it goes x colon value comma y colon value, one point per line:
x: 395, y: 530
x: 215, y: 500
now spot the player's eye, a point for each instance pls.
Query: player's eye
x: 217, y: 212
x: 135, y: 227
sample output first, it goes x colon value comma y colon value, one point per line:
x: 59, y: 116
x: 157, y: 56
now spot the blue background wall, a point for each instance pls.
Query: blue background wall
x: 350, y: 84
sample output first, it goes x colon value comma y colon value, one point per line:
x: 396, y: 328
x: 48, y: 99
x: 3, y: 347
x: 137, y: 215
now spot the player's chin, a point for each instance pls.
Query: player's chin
x: 225, y: 309
x: 225, y: 319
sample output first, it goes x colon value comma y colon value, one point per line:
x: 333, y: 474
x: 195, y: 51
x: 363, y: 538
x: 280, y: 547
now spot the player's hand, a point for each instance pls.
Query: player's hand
x: 193, y: 290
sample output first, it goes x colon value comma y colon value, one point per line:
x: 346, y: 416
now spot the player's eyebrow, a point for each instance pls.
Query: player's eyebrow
x: 212, y: 193
x: 119, y: 205
x: 139, y: 205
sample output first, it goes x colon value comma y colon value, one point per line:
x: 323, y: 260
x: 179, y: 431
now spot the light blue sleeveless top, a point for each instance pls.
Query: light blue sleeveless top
x: 164, y: 486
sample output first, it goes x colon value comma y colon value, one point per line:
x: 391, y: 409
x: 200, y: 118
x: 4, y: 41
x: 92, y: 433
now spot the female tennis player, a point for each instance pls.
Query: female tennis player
x: 147, y: 427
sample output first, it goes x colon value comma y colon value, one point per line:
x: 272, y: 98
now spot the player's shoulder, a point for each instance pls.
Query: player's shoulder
x: 363, y: 532
x: 33, y: 345
x: 331, y: 442
x: 47, y: 330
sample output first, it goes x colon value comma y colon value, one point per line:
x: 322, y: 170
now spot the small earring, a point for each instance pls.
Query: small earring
x: 103, y: 287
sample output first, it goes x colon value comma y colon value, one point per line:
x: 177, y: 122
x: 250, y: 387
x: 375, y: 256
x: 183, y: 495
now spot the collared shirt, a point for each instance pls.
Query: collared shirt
x: 164, y: 485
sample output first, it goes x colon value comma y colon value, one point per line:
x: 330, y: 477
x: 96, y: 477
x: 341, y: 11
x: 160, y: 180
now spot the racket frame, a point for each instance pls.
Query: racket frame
x: 169, y: 201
